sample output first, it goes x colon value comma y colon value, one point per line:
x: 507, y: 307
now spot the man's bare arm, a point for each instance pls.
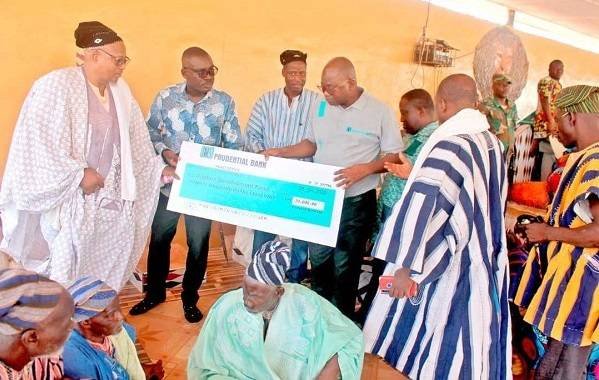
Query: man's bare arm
x: 304, y: 148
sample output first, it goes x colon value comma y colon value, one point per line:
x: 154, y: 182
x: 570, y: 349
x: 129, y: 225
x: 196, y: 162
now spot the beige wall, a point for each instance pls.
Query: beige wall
x: 245, y: 39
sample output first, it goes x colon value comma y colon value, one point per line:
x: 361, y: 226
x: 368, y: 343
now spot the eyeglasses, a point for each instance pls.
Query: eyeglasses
x: 204, y: 73
x: 329, y: 88
x: 119, y: 61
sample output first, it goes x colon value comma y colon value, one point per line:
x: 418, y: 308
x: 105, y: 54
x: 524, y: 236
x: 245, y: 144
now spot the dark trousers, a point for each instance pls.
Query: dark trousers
x: 563, y: 362
x: 298, y: 267
x: 336, y: 270
x: 378, y: 268
x: 164, y: 228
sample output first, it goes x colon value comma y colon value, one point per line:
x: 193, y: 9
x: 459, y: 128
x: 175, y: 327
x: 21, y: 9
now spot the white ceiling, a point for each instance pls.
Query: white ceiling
x: 579, y: 15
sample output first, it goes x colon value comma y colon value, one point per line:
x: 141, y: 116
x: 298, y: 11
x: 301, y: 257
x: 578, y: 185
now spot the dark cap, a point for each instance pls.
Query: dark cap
x: 292, y: 55
x: 93, y: 33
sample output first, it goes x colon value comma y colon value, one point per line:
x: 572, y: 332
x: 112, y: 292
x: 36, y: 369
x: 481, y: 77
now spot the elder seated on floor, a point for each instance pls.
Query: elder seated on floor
x: 101, y: 346
x: 271, y: 330
x: 35, y: 320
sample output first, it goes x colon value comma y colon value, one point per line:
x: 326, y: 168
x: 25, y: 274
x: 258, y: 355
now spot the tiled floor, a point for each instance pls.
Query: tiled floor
x: 166, y: 335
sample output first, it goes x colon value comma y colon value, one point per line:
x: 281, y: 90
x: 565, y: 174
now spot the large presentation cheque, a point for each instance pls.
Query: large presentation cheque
x: 286, y: 197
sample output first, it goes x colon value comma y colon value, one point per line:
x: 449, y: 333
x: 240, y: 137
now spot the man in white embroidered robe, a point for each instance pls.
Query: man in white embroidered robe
x: 82, y: 179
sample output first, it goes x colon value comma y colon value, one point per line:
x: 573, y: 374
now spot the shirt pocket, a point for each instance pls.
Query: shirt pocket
x: 360, y: 133
x: 359, y: 139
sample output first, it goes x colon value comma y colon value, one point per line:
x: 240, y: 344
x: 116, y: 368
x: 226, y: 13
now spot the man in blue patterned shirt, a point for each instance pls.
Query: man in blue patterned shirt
x: 189, y: 111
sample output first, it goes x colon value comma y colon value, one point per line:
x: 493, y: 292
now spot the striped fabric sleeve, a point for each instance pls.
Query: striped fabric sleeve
x: 254, y: 139
x: 425, y: 241
x: 47, y: 368
x: 310, y: 115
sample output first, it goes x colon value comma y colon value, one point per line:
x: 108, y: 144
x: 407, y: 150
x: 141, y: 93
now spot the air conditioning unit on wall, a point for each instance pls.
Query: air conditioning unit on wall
x: 433, y: 52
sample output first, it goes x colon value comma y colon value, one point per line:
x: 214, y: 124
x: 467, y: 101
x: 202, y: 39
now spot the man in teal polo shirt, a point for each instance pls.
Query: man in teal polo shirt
x: 353, y: 130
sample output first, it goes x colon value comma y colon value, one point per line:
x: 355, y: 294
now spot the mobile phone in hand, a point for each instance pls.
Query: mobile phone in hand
x: 385, y: 283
